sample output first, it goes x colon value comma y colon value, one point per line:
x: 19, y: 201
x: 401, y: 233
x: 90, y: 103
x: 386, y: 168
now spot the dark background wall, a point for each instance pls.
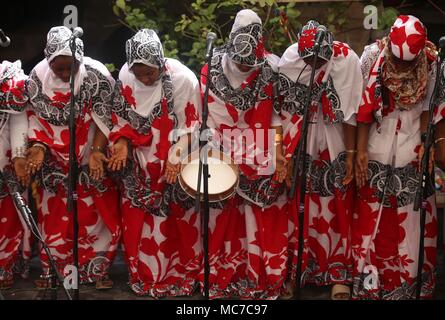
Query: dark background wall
x: 27, y: 22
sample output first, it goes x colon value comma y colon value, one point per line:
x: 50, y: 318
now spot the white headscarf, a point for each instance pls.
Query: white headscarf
x: 144, y: 47
x: 245, y: 45
x: 58, y: 44
x: 244, y: 18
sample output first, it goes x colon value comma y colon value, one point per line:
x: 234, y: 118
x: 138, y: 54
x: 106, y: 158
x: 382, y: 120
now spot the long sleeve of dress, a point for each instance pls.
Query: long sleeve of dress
x: 19, y: 134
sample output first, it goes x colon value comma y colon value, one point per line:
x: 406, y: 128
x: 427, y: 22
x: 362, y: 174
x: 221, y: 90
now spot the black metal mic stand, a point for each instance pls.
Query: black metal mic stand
x: 203, y: 175
x: 299, y: 157
x: 73, y: 171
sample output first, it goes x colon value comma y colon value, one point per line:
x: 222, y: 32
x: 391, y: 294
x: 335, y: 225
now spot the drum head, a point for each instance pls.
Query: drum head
x: 223, y: 175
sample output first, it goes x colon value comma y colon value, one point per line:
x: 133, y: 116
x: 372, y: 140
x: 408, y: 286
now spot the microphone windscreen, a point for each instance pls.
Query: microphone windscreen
x: 211, y: 36
x: 4, y: 40
x: 78, y: 32
x: 322, y: 29
x: 442, y: 42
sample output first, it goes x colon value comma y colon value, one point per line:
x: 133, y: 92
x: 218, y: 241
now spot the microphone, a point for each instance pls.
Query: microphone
x: 20, y: 204
x: 4, y: 40
x: 442, y: 48
x: 211, y: 36
x: 319, y: 37
x: 77, y: 32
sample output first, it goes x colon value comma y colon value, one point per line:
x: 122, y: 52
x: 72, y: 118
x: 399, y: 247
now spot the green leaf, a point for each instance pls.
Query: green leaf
x: 293, y: 13
x: 387, y: 18
x: 111, y: 67
x: 270, y: 3
x: 262, y: 3
x: 116, y: 10
x: 274, y: 20
x: 120, y: 4
x: 211, y: 8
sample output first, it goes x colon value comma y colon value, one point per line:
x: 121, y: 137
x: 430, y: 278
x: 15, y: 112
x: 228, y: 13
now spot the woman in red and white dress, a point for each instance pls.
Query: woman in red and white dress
x: 14, y: 236
x: 248, y: 234
x: 156, y: 101
x: 48, y: 158
x: 399, y: 71
x: 329, y: 200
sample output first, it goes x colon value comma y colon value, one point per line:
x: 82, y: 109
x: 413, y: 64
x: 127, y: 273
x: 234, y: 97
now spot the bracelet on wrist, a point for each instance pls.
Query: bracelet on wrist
x: 39, y: 145
x: 17, y: 157
x: 97, y: 148
x: 19, y: 152
x: 439, y: 139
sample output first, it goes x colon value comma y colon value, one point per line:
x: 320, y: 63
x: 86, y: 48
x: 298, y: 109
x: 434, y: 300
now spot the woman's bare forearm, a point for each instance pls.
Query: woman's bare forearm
x: 350, y: 133
x: 362, y: 136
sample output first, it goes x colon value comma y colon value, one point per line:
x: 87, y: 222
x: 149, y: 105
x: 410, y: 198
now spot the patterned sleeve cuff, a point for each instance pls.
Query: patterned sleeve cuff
x: 18, y: 152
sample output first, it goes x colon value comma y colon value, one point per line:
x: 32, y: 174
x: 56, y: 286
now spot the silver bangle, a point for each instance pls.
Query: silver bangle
x: 97, y: 148
x: 20, y: 152
x: 39, y: 145
x: 439, y: 139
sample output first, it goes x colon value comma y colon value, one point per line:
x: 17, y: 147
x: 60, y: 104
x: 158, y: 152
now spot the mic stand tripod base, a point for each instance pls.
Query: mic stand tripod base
x: 54, y: 284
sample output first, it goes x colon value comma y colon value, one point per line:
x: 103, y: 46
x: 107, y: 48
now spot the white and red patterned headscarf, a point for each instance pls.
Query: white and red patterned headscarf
x: 407, y: 41
x: 306, y: 42
x: 12, y: 87
x: 407, y: 37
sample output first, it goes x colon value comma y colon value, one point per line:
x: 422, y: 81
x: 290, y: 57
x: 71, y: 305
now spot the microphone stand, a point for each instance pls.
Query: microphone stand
x: 1, y: 34
x: 420, y: 201
x: 1, y: 295
x: 73, y: 172
x: 299, y: 156
x: 26, y: 214
x: 31, y: 224
x: 203, y: 175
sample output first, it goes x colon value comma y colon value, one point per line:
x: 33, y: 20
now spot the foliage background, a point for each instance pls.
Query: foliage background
x: 183, y: 25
